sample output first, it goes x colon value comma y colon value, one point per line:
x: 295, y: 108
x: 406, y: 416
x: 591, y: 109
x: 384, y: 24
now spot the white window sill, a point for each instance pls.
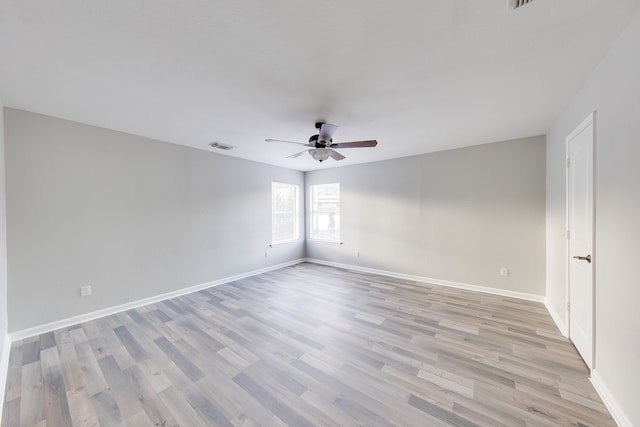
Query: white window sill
x: 284, y: 242
x: 335, y: 242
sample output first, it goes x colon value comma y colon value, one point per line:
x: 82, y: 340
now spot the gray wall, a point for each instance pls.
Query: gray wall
x: 457, y: 215
x: 613, y: 90
x: 130, y: 216
x: 4, y: 338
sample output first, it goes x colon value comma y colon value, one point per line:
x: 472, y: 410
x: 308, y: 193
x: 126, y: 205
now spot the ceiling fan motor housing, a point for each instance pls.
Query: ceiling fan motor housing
x: 313, y: 141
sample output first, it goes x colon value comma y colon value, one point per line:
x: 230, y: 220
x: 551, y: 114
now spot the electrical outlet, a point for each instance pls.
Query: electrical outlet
x: 504, y: 272
x: 357, y: 254
x: 85, y: 291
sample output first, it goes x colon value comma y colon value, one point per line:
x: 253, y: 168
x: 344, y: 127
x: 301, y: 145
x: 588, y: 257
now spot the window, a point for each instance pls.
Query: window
x: 284, y: 212
x: 325, y: 212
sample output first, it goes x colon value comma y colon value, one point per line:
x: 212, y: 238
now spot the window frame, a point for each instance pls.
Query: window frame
x: 296, y: 214
x: 312, y: 212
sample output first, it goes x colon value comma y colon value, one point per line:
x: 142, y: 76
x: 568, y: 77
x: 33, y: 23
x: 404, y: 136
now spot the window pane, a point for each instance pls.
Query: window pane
x: 284, y: 212
x: 325, y: 212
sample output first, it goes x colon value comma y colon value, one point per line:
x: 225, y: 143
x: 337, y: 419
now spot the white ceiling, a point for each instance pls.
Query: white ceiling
x: 417, y: 75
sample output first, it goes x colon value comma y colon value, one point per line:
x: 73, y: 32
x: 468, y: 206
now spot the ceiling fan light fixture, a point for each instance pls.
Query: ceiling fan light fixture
x: 319, y: 154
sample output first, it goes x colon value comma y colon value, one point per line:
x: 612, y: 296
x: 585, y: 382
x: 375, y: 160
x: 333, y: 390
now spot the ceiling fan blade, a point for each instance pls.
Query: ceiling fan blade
x: 293, y: 156
x: 355, y: 144
x: 326, y: 132
x: 288, y: 142
x: 334, y: 154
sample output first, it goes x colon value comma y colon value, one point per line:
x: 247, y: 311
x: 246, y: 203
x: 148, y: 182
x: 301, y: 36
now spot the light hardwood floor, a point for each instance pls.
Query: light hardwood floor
x: 307, y: 345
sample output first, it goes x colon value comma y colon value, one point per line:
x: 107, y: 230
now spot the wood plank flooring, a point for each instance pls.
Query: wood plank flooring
x: 307, y: 345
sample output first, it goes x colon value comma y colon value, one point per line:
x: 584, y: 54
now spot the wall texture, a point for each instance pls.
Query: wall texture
x: 132, y: 217
x: 457, y: 215
x: 613, y: 91
x: 4, y: 337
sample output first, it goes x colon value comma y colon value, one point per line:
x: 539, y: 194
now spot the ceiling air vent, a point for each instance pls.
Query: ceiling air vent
x: 515, y: 4
x: 220, y: 146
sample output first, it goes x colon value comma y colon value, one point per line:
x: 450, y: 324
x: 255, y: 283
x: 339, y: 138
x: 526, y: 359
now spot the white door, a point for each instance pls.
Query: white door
x: 580, y: 217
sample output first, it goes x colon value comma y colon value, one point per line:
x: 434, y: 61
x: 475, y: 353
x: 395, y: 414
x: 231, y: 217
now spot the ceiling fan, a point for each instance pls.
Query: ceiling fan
x: 322, y: 145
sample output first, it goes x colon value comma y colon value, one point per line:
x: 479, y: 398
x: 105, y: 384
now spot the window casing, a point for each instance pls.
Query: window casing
x: 285, y: 218
x: 324, y: 214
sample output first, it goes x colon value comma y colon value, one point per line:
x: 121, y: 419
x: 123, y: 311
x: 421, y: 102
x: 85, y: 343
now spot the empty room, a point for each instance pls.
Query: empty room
x: 356, y: 213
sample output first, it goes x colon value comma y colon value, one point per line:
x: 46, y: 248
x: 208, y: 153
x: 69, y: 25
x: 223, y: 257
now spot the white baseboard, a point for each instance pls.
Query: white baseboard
x: 4, y: 369
x: 63, y: 323
x: 485, y: 289
x: 40, y: 329
x: 561, y: 324
x: 609, y: 401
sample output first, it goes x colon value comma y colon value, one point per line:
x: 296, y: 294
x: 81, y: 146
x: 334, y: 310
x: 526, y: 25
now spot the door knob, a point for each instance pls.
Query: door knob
x: 584, y: 258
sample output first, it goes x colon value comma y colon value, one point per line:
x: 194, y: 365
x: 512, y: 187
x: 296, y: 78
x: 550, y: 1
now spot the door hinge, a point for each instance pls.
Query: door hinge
x: 568, y: 234
x: 568, y: 162
x: 568, y: 306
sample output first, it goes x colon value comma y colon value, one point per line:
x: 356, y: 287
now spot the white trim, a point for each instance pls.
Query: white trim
x: 609, y: 400
x: 485, y: 289
x: 334, y: 242
x: 285, y: 242
x: 48, y: 327
x: 296, y: 214
x: 4, y: 369
x: 311, y: 213
x: 561, y: 324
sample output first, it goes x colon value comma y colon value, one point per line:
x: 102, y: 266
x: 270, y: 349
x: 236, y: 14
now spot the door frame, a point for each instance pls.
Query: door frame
x: 590, y: 120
